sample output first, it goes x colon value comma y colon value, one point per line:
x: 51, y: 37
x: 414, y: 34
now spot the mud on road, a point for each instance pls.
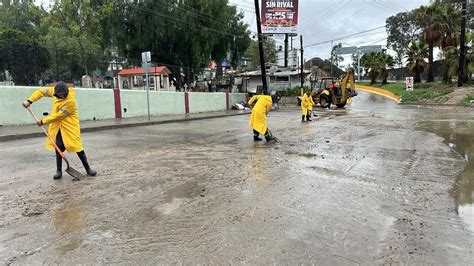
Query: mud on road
x: 362, y: 185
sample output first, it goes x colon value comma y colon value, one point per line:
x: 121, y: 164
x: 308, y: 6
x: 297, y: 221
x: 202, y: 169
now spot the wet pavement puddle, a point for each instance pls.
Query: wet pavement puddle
x: 459, y: 135
x: 69, y: 223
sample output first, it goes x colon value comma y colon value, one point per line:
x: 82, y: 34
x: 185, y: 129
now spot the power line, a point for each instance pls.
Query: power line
x: 344, y: 37
x: 184, y: 22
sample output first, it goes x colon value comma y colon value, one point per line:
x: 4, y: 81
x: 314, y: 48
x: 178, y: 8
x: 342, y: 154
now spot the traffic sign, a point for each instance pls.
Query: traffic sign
x: 346, y: 50
x: 146, y: 57
x: 370, y: 48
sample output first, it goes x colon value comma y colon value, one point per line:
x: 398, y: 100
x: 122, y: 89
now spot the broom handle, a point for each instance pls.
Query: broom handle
x: 46, y: 133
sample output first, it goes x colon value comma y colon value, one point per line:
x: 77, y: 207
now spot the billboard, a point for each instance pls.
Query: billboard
x: 279, y: 16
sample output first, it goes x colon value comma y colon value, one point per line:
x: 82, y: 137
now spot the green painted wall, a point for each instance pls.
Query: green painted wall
x: 99, y: 103
x: 161, y: 103
x: 92, y: 103
x: 237, y: 98
x: 200, y: 102
x: 11, y: 109
x: 95, y: 103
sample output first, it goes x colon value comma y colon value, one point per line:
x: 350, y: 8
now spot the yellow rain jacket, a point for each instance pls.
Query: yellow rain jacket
x: 258, y: 118
x: 252, y: 100
x: 63, y: 116
x: 306, y: 104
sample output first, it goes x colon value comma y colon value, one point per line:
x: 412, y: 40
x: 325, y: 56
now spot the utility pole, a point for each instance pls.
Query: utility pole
x: 358, y: 64
x: 302, y: 61
x: 260, y: 48
x: 286, y: 49
x: 332, y: 44
x: 462, y: 49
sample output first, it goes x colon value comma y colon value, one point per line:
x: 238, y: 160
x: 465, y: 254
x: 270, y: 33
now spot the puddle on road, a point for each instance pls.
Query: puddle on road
x: 459, y: 135
x: 69, y: 222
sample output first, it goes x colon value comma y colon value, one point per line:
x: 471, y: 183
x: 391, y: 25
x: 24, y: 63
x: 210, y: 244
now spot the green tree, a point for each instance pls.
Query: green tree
x: 336, y: 59
x: 450, y: 26
x: 183, y: 34
x: 75, y: 27
x: 22, y: 56
x: 253, y: 53
x: 370, y: 62
x: 23, y: 16
x: 416, y: 59
x: 385, y: 61
x: 429, y: 19
x: 402, y: 30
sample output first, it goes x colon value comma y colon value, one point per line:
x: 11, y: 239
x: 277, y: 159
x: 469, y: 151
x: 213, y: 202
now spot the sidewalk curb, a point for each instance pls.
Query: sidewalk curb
x: 119, y: 126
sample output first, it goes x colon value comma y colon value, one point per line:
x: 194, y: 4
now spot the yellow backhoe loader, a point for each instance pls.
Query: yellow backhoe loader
x: 337, y: 93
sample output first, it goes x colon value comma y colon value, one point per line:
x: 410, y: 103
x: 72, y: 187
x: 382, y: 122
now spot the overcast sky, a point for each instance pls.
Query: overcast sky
x: 323, y: 20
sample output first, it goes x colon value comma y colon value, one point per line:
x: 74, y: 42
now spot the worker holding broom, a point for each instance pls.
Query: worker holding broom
x: 258, y: 118
x: 306, y: 106
x: 63, y: 123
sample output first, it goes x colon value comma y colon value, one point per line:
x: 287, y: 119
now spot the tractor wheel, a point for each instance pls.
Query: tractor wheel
x: 324, y: 101
x: 341, y: 105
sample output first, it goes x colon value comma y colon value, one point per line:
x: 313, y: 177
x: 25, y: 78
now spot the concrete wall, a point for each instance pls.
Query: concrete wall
x: 237, y: 98
x: 200, y: 102
x: 161, y: 103
x: 100, y: 103
x: 93, y: 103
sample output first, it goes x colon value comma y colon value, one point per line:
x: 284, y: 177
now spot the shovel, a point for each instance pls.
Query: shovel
x: 271, y: 135
x: 71, y: 171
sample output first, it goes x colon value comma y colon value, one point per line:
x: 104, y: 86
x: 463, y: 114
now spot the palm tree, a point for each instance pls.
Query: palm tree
x: 428, y: 17
x: 370, y: 61
x: 385, y: 61
x: 449, y: 21
x: 416, y: 59
x: 451, y: 55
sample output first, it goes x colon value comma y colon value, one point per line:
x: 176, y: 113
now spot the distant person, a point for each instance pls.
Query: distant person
x: 306, y: 106
x: 63, y: 123
x: 276, y: 100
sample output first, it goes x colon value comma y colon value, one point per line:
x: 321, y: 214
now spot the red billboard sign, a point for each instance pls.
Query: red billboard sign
x: 279, y: 16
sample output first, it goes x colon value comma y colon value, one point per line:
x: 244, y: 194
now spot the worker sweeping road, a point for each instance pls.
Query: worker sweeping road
x: 307, y: 106
x: 258, y: 118
x: 63, y: 123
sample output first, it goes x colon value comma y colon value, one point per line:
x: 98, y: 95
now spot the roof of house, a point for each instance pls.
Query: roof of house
x: 139, y: 71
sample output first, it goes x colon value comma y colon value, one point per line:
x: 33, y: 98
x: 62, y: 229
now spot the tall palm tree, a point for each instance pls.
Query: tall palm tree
x: 416, y: 59
x: 370, y: 61
x: 385, y: 61
x: 428, y: 17
x: 451, y: 55
x: 449, y: 21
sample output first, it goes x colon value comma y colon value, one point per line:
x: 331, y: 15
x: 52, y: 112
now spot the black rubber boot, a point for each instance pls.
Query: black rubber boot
x: 302, y: 118
x: 82, y: 156
x: 256, y: 135
x: 58, y: 175
x: 59, y: 167
x: 307, y: 118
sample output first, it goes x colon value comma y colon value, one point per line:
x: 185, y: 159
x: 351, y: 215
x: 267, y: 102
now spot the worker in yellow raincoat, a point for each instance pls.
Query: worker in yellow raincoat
x: 306, y: 106
x: 63, y: 123
x: 258, y: 118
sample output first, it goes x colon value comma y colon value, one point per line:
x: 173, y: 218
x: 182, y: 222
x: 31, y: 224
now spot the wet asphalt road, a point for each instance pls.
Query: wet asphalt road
x: 369, y: 184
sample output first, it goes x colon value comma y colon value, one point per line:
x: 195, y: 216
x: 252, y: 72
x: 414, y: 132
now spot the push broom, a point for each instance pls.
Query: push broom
x: 71, y: 171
